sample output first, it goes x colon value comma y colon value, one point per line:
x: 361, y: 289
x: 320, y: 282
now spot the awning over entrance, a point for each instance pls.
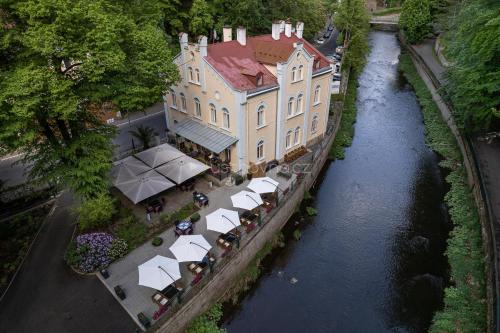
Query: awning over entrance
x: 205, y: 136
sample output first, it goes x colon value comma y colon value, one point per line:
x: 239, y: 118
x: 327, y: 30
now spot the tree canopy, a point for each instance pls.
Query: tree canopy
x: 61, y: 61
x: 473, y: 81
x: 415, y: 19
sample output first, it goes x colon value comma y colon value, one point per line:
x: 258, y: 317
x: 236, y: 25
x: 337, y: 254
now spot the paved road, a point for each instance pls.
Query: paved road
x: 47, y: 296
x: 328, y: 47
x: 426, y: 51
x: 11, y: 172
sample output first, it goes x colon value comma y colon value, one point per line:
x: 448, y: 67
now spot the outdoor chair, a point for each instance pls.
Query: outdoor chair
x: 196, y: 279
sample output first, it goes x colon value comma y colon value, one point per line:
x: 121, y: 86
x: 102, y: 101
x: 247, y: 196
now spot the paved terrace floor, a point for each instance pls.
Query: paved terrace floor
x: 125, y: 273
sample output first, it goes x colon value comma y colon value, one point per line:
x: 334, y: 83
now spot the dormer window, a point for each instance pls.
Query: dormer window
x: 316, y: 64
x: 260, y: 79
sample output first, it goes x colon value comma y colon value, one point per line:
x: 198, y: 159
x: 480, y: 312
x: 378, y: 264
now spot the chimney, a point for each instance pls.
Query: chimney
x: 288, y: 28
x: 183, y: 40
x: 227, y: 33
x: 282, y: 26
x: 299, y: 30
x: 202, y: 44
x: 276, y: 30
x: 241, y: 35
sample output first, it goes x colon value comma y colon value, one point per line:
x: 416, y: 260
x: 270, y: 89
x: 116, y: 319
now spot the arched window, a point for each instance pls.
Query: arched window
x: 183, y: 102
x: 296, y: 136
x: 260, y: 116
x: 298, y: 108
x: 294, y: 74
x: 260, y: 150
x: 225, y: 118
x: 197, y: 108
x: 174, y: 99
x: 191, y: 79
x: 197, y: 71
x: 288, y: 139
x: 301, y: 74
x: 317, y: 95
x: 314, y: 124
x: 213, y: 114
x: 290, y: 107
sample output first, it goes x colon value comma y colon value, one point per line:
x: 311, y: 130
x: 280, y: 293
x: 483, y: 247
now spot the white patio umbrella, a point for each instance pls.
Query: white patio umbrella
x: 159, y: 272
x: 263, y: 185
x: 223, y: 220
x: 159, y: 155
x: 144, y: 186
x: 246, y: 200
x: 190, y: 248
x: 126, y: 169
x: 182, y: 168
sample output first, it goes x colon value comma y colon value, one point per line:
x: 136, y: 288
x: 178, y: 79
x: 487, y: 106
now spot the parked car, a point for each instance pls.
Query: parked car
x: 337, y: 77
x: 330, y: 28
x: 335, y: 87
x: 339, y: 49
x: 338, y: 57
x: 332, y: 59
x: 320, y: 40
x: 327, y: 35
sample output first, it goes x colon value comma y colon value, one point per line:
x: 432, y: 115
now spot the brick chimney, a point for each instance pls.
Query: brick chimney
x: 241, y: 35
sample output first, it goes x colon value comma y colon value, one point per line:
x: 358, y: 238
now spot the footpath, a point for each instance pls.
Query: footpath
x: 47, y: 296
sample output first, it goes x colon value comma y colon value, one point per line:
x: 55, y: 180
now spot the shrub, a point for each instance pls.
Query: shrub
x: 97, y: 212
x: 311, y: 211
x: 415, y: 20
x: 118, y: 249
x: 157, y: 241
x: 73, y: 257
x: 132, y: 231
x: 195, y: 217
x: 207, y: 322
x: 93, y: 250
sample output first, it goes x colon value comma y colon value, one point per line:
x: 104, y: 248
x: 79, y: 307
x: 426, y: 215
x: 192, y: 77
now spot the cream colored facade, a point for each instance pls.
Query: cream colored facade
x: 293, y: 113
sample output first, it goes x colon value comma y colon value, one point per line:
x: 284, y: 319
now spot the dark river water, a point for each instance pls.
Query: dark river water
x: 372, y: 259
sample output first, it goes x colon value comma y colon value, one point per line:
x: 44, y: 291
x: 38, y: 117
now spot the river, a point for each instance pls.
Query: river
x: 372, y: 259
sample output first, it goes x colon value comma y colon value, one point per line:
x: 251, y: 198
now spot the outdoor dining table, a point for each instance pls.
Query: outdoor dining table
x: 183, y: 227
x: 200, y: 199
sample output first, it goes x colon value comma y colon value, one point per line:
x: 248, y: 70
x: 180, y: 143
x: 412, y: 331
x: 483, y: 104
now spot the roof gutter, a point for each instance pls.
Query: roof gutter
x: 262, y: 90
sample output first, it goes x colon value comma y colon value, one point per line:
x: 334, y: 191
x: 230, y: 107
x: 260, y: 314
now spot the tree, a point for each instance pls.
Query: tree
x: 145, y: 134
x: 96, y: 212
x: 201, y: 18
x: 353, y: 21
x: 473, y: 81
x: 415, y: 20
x: 61, y: 61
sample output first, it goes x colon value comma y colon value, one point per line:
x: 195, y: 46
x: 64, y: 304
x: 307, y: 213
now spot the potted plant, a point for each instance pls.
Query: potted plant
x: 249, y: 176
x: 157, y: 241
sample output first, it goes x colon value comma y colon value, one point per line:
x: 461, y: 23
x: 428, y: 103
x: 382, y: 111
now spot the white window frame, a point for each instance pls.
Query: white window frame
x: 191, y: 76
x: 174, y: 99
x: 183, y: 102
x: 288, y: 139
x: 260, y: 150
x: 300, y: 103
x: 197, y: 72
x: 317, y: 95
x: 301, y: 73
x: 294, y: 74
x: 314, y: 124
x: 213, y: 113
x: 197, y: 108
x: 290, y: 107
x: 296, y: 136
x: 261, y: 119
x: 225, y: 118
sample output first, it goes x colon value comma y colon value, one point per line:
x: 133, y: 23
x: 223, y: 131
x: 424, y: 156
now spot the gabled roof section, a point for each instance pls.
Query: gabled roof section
x: 238, y: 64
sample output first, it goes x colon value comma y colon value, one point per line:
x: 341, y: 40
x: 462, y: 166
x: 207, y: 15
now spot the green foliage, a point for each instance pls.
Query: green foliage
x: 201, y: 18
x: 132, y: 231
x: 340, y: 38
x: 207, y: 322
x: 118, y: 249
x: 473, y: 83
x: 308, y: 196
x: 61, y: 62
x: 145, y: 134
x: 297, y: 234
x: 157, y: 241
x: 415, y: 20
x: 73, y: 256
x: 465, y: 301
x: 345, y: 132
x: 387, y: 11
x: 195, y: 217
x: 97, y: 212
x: 353, y: 20
x: 311, y: 211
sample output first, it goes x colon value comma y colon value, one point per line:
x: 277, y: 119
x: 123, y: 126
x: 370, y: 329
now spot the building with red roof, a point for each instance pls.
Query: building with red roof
x: 247, y: 102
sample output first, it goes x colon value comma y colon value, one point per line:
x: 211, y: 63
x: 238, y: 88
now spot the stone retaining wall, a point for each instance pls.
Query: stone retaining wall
x: 469, y: 160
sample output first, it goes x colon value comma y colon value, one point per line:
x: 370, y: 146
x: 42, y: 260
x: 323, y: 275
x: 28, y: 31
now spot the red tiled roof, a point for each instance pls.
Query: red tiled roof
x: 236, y: 63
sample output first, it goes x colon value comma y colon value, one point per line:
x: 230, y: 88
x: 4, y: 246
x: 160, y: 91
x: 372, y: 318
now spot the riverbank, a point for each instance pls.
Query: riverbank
x: 465, y: 301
